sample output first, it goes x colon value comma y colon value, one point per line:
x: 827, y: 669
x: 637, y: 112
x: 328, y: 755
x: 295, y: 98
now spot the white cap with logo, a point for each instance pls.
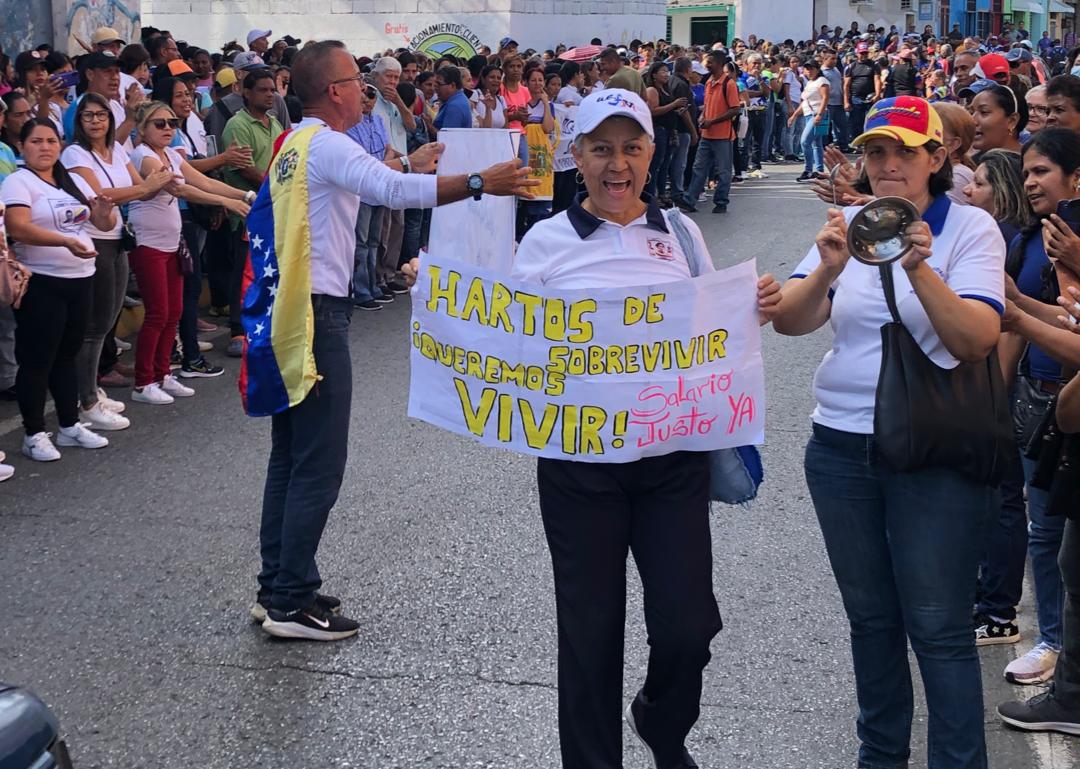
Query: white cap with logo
x: 612, y: 102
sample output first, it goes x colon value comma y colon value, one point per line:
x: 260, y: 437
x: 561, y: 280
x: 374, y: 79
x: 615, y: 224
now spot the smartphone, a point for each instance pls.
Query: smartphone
x: 1069, y: 210
x: 68, y: 79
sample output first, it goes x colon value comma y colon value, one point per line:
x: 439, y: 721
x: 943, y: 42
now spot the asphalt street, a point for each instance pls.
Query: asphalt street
x: 126, y: 575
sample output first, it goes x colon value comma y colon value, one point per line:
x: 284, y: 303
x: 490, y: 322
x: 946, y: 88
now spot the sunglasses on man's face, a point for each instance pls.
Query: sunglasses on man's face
x: 160, y: 123
x: 371, y: 93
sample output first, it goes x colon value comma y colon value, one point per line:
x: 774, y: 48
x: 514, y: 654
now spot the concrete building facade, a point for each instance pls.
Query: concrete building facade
x: 367, y: 26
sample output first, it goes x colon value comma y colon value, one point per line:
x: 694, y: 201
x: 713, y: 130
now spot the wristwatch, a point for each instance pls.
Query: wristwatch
x: 249, y: 197
x: 405, y: 167
x: 476, y: 185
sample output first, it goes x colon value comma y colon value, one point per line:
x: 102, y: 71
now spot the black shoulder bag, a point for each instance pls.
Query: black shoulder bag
x: 926, y: 416
x: 127, y: 238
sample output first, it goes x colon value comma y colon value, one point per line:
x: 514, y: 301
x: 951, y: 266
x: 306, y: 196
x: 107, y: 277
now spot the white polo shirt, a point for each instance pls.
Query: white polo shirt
x: 575, y: 249
x: 341, y: 174
x: 968, y: 254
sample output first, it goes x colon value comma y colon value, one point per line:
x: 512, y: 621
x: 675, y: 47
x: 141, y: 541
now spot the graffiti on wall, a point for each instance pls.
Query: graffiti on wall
x: 84, y: 16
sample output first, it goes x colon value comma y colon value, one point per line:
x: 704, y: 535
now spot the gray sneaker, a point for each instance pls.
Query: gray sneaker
x: 1042, y: 713
x: 236, y: 347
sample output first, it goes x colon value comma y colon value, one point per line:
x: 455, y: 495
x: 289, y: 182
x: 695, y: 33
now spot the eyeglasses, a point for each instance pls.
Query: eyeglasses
x: 1037, y: 109
x: 93, y: 117
x: 160, y: 123
x: 354, y: 79
x: 371, y: 93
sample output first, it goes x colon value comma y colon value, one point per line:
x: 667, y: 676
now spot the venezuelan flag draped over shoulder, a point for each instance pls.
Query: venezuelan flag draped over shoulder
x: 278, y: 367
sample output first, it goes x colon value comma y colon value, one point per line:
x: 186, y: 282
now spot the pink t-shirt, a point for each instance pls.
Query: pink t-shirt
x: 515, y: 100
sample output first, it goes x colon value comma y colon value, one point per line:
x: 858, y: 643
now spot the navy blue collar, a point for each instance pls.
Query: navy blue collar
x: 937, y: 213
x: 585, y: 224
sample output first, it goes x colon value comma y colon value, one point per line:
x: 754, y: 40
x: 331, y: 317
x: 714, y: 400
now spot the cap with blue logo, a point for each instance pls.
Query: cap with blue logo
x: 612, y: 102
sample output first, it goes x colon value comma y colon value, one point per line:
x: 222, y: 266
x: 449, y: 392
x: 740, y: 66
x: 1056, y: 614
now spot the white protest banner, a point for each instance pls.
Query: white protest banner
x: 599, y: 375
x: 488, y: 237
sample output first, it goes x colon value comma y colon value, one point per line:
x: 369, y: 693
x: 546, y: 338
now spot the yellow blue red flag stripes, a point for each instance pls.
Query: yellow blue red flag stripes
x: 278, y: 367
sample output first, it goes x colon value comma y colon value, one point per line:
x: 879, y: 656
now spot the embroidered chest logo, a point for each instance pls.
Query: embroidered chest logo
x: 661, y: 249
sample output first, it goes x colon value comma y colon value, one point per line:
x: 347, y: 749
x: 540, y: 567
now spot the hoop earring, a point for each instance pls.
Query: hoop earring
x: 580, y: 180
x: 648, y: 178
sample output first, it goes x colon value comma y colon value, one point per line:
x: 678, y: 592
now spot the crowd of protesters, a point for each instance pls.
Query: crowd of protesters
x: 129, y: 168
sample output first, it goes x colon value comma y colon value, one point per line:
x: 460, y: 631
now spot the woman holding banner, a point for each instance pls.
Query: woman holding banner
x: 594, y: 514
x: 904, y: 544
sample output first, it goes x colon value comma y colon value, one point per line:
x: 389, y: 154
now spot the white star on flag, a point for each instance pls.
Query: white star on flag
x: 256, y: 242
x: 268, y: 271
x: 270, y: 309
x: 259, y: 328
x: 273, y: 290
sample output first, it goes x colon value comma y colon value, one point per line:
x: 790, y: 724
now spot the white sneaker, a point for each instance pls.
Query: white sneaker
x: 39, y: 448
x: 205, y: 346
x: 121, y: 345
x: 153, y: 394
x: 1035, y: 667
x: 79, y: 435
x: 113, y: 405
x: 173, y: 387
x: 6, y: 471
x: 101, y: 418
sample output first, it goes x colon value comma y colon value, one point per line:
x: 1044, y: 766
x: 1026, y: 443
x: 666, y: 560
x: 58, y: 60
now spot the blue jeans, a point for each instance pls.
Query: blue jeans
x: 813, y: 152
x: 713, y: 156
x: 1045, y: 533
x: 794, y: 132
x: 661, y: 162
x: 308, y: 448
x: 677, y: 172
x: 903, y: 549
x: 1001, y: 574
x: 366, y: 255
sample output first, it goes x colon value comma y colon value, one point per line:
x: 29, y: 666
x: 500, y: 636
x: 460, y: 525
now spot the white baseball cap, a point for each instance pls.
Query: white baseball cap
x: 255, y: 34
x: 612, y: 102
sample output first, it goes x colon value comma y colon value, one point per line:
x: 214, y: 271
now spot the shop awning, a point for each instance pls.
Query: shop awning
x: 1031, y: 6
x: 1059, y: 7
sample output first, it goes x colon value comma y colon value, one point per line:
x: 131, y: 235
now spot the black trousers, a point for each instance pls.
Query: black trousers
x: 1067, y: 672
x: 49, y: 328
x: 594, y: 516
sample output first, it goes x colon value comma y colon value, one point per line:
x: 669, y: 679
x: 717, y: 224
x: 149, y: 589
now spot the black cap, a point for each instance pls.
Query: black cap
x: 27, y: 60
x: 98, y: 60
x: 291, y: 41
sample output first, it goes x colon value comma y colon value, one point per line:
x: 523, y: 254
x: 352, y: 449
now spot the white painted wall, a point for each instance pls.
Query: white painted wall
x: 366, y: 26
x: 841, y: 13
x: 775, y: 19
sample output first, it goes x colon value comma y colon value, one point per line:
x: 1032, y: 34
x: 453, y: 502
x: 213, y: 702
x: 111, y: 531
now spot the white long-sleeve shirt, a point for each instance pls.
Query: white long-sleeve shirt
x: 341, y: 175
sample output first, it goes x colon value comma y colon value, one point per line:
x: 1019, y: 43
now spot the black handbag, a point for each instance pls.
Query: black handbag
x: 926, y: 416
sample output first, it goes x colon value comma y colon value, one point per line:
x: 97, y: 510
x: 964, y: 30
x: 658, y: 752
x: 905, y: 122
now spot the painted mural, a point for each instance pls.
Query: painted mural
x: 84, y: 16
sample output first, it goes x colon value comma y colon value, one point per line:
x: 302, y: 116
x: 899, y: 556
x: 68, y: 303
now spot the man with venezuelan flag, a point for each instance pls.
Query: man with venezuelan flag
x: 296, y: 311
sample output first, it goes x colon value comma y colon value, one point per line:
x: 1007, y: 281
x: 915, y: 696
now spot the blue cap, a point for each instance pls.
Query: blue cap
x: 976, y: 88
x: 507, y: 41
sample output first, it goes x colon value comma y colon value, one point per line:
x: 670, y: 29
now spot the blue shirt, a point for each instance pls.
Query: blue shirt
x: 455, y: 113
x: 370, y: 133
x: 1030, y: 283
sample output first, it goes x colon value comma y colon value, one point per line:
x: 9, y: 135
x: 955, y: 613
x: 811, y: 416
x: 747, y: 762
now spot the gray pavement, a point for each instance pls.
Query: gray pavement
x: 127, y: 574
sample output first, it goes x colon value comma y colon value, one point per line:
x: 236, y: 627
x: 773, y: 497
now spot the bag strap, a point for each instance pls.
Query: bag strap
x: 112, y: 184
x: 890, y: 291
x: 686, y: 242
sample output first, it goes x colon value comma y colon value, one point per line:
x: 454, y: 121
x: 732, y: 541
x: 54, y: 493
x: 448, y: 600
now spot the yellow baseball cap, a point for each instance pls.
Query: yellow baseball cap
x: 225, y: 77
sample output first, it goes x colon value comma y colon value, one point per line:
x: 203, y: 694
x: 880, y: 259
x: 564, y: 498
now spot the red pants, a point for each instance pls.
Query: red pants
x: 162, y: 287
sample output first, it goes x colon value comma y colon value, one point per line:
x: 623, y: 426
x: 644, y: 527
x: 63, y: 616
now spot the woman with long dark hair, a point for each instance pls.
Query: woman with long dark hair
x: 104, y: 165
x: 48, y: 212
x: 664, y: 109
x: 1051, y: 175
x: 490, y: 105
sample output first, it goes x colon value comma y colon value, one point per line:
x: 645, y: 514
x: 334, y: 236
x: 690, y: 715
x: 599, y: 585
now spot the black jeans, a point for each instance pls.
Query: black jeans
x: 49, y: 328
x: 1067, y: 672
x: 594, y: 515
x: 195, y: 236
x: 755, y: 138
x: 238, y: 247
x: 308, y: 448
x: 1001, y: 574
